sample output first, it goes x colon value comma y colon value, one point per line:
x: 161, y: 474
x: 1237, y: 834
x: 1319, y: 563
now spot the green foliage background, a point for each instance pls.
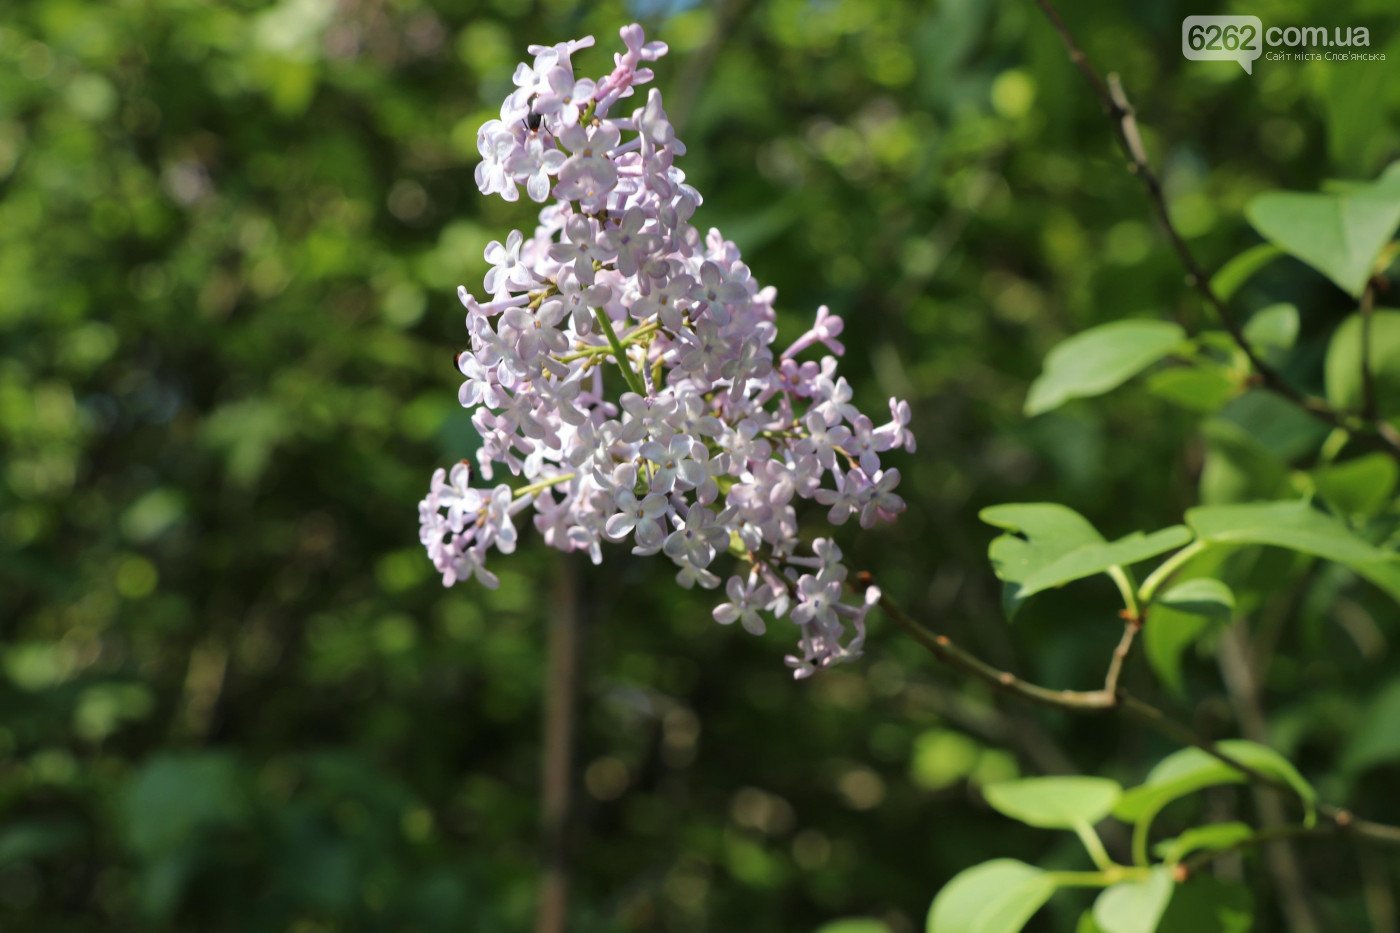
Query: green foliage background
x: 234, y: 696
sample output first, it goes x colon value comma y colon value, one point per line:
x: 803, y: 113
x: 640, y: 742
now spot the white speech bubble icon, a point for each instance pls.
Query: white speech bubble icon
x: 1223, y: 39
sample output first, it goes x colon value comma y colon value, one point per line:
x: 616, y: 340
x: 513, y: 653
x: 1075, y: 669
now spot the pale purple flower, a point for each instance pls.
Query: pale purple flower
x: 722, y: 442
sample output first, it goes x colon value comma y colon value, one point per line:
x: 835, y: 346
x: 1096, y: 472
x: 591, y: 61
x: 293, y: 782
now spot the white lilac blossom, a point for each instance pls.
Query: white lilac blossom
x: 622, y: 368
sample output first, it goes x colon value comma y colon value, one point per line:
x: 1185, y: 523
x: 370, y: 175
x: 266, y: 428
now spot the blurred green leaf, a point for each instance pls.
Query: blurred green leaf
x: 1211, y: 838
x: 1195, y: 388
x: 1362, y: 486
x: 995, y: 897
x: 1135, y: 906
x: 1240, y: 269
x: 1099, y: 360
x: 1203, y: 597
x: 1343, y: 367
x: 1293, y: 525
x: 1339, y: 235
x: 1191, y: 769
x: 1273, y: 330
x: 1054, y: 802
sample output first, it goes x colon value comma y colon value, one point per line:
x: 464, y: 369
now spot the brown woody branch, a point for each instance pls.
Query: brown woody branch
x: 1109, y: 699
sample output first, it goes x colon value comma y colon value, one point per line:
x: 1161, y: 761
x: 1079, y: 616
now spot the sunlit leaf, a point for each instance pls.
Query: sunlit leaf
x: 994, y: 897
x: 1135, y: 906
x: 1099, y: 360
x: 1054, y: 802
x: 1339, y: 235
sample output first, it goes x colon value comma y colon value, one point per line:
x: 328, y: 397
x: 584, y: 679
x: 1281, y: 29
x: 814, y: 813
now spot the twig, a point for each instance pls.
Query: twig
x: 1368, y: 377
x: 1376, y: 433
x: 1284, y: 833
x: 1132, y: 624
x: 556, y: 775
x: 1101, y: 701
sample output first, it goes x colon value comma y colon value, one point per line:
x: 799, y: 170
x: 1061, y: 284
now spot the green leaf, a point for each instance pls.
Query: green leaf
x: 1055, y: 802
x: 1205, y: 904
x: 1195, y: 388
x: 1343, y: 366
x: 1211, y: 838
x: 1294, y: 525
x: 1051, y: 545
x: 854, y: 925
x: 1046, y: 532
x: 1089, y: 559
x: 1166, y: 637
x: 1180, y: 616
x: 1135, y: 906
x: 1339, y: 235
x: 1238, y: 468
x: 1099, y: 360
x: 1362, y: 486
x: 1376, y: 738
x: 1272, y: 330
x: 1201, y: 597
x: 1239, y: 270
x: 1192, y: 769
x: 995, y: 897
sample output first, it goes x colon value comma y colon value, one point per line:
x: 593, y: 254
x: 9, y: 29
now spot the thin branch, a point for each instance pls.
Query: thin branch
x: 1368, y: 377
x: 1195, y: 863
x: 557, y: 764
x: 1101, y: 701
x: 1132, y: 624
x: 1376, y: 433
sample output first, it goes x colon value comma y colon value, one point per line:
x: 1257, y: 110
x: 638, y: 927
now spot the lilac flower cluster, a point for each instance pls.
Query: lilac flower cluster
x: 713, y: 438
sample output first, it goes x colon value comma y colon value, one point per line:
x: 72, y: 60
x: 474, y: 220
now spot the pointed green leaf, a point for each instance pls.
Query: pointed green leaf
x: 1339, y: 234
x: 1051, y: 545
x: 1239, y: 270
x: 1099, y: 360
x: 1294, y: 525
x: 1089, y: 559
x: 1203, y: 597
x: 994, y: 897
x: 1135, y: 906
x: 1361, y: 486
x: 1192, y: 769
x: 1211, y: 838
x: 1043, y: 533
x: 1055, y: 802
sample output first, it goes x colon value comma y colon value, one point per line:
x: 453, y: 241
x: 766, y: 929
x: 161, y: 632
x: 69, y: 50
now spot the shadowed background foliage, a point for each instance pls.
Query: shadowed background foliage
x: 234, y: 695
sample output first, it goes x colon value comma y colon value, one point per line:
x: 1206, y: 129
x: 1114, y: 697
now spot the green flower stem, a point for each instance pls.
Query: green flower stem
x: 542, y: 485
x: 1094, y: 846
x: 1169, y: 567
x: 632, y: 337
x: 619, y: 353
